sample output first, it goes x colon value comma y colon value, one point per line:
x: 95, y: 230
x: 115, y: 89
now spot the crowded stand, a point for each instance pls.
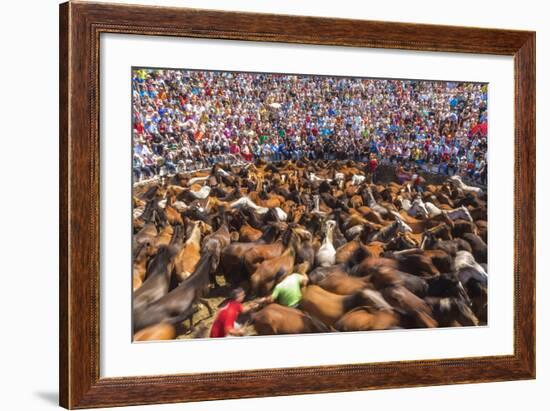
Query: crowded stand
x: 187, y: 120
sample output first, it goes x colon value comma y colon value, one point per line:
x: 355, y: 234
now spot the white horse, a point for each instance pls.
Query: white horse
x: 425, y: 209
x: 466, y: 267
x: 430, y: 210
x: 354, y: 231
x: 418, y: 208
x: 390, y: 231
x: 373, y: 205
x: 457, y: 182
x: 402, y: 227
x: 223, y: 172
x: 339, y: 176
x: 203, y: 193
x: 196, y: 180
x: 358, y: 179
x: 433, y: 210
x: 138, y: 211
x: 405, y: 203
x: 340, y: 179
x: 326, y: 256
x: 245, y: 202
x: 460, y: 213
x: 313, y: 178
x: 281, y: 215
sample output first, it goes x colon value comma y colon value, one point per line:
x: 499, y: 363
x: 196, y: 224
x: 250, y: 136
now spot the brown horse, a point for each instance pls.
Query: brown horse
x: 329, y: 307
x: 189, y: 255
x: 177, y: 305
x: 414, y: 308
x: 147, y: 233
x: 232, y: 256
x: 262, y: 280
x: 214, y: 243
x: 143, y: 252
x: 277, y: 319
x: 403, y: 279
x: 157, y: 332
x: 247, y: 233
x: 165, y: 235
x: 157, y: 279
x: 172, y: 215
x: 256, y: 255
x: 343, y: 284
x: 452, y: 312
x: 366, y: 319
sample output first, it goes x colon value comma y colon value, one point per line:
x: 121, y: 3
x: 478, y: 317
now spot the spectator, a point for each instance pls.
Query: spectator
x: 197, y: 118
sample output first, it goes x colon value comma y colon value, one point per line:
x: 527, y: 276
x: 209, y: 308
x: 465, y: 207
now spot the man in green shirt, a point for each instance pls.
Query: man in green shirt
x: 263, y: 138
x: 289, y: 291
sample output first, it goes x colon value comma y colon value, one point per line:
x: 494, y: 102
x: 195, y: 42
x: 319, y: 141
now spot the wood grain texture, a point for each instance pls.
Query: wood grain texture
x: 63, y: 204
x: 80, y: 27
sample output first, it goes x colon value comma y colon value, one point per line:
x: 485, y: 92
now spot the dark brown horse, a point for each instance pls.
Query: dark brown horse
x: 177, y: 305
x: 157, y: 279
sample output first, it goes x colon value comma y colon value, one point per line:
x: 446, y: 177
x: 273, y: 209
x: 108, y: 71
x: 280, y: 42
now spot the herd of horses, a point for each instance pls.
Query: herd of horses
x: 377, y: 256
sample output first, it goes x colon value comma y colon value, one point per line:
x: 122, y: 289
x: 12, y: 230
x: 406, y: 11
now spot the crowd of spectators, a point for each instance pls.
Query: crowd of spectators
x: 185, y: 119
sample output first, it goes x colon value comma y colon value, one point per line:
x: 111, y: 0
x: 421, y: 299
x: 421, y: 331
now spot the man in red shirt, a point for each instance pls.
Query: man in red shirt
x: 373, y: 165
x: 224, y: 324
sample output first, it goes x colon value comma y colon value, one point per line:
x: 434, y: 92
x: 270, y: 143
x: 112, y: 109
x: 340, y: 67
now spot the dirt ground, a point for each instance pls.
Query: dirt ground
x: 201, y: 319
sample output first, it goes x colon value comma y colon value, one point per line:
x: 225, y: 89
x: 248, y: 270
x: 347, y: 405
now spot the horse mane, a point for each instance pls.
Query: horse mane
x: 150, y: 193
x: 353, y: 300
x: 396, y: 242
x: 176, y: 235
x: 287, y: 236
x: 147, y: 214
x: 199, y: 279
x: 270, y: 233
x: 164, y: 254
x: 293, y: 242
x: 160, y: 214
x: 365, y: 233
x: 437, y: 229
x: 221, y: 217
x: 272, y: 215
x: 251, y: 218
x: 383, y: 233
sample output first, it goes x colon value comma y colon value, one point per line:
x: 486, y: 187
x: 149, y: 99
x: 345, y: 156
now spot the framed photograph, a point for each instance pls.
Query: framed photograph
x: 258, y: 205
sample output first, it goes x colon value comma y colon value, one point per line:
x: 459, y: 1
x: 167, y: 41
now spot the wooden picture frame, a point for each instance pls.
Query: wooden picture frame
x: 80, y: 27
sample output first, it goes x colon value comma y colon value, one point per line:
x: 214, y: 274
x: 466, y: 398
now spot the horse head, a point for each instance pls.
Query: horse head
x: 304, y: 234
x: 331, y: 224
x: 402, y: 227
x: 419, y: 206
x: 465, y: 214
